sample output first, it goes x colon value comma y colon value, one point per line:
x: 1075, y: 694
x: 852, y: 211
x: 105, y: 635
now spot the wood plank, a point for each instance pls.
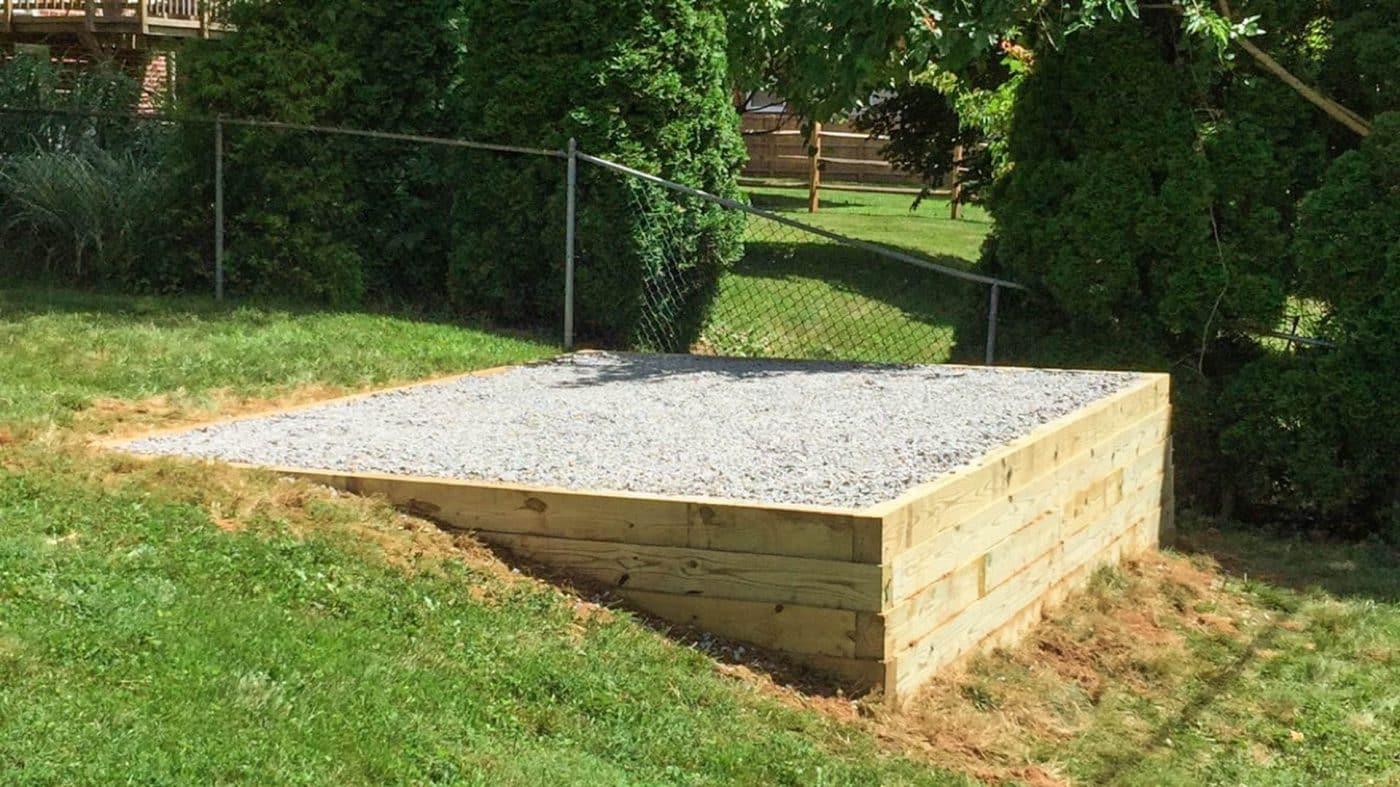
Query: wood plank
x: 856, y: 675
x: 999, y: 516
x: 1020, y: 560
x: 791, y: 628
x: 634, y: 518
x: 684, y: 571
x: 1141, y: 482
x: 870, y: 636
x: 931, y: 508
x: 1014, y: 630
x: 1043, y: 583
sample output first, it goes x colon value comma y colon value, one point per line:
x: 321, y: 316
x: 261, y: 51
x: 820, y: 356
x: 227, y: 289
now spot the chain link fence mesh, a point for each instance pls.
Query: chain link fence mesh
x: 351, y: 219
x: 794, y: 293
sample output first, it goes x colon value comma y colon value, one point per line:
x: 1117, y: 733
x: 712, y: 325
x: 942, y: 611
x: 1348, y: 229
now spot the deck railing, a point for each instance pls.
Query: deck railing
x: 95, y: 14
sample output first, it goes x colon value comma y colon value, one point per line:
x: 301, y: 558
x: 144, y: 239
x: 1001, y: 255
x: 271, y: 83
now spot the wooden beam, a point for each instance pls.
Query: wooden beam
x: 814, y: 170
x: 963, y: 565
x: 620, y: 517
x: 1020, y: 603
x: 791, y: 628
x: 931, y: 508
x: 679, y: 571
x: 955, y: 196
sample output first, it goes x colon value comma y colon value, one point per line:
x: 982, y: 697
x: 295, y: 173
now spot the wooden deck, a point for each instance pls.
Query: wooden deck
x: 37, y: 20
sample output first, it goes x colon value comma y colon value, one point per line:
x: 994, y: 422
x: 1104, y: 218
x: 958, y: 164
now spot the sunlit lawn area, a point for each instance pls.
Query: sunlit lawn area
x: 797, y: 294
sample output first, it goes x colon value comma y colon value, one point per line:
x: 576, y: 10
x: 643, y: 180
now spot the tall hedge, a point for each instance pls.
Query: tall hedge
x: 638, y: 81
x: 1147, y: 237
x: 317, y: 217
x: 1168, y: 211
x: 1318, y: 432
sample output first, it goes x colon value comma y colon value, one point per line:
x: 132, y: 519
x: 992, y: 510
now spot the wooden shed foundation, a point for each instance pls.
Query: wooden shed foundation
x: 881, y: 597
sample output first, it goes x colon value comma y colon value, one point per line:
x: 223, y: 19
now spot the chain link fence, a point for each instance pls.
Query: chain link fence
x: 516, y: 237
x: 798, y: 291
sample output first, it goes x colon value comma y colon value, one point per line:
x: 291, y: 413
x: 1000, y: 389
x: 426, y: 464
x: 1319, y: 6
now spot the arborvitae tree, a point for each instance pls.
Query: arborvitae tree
x: 642, y: 82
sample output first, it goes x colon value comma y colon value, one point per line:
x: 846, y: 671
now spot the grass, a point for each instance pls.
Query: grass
x: 1279, y: 668
x: 178, y: 623
x: 175, y: 622
x: 888, y: 219
x: 63, y: 351
x: 799, y: 295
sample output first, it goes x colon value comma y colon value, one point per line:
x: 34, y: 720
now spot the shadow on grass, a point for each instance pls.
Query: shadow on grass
x: 1215, y: 687
x: 1348, y: 570
x: 795, y: 203
x: 850, y: 300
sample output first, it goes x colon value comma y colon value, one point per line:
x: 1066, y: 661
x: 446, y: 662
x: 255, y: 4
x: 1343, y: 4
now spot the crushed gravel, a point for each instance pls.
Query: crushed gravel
x: 836, y: 434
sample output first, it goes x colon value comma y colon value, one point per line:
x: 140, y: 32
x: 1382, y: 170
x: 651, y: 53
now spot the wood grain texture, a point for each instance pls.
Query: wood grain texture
x: 696, y: 572
x: 791, y: 628
x: 931, y: 508
x: 794, y: 531
x: 1040, y: 583
x: 1027, y: 557
x: 1043, y: 498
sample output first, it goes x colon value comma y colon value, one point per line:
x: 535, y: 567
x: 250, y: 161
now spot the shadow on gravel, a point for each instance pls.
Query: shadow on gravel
x: 645, y: 367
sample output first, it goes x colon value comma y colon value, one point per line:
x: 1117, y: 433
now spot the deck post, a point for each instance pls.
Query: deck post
x: 571, y: 212
x: 992, y: 325
x: 9, y: 16
x: 219, y: 208
x: 143, y: 16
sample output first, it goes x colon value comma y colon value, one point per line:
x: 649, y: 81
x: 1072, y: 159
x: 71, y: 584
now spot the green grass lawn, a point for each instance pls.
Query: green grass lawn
x: 176, y: 623
x: 799, y: 295
x: 888, y: 219
x: 62, y: 350
x: 171, y: 623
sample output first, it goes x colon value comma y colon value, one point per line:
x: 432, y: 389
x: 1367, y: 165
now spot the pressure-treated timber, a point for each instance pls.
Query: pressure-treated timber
x: 707, y: 573
x: 631, y: 518
x: 881, y: 597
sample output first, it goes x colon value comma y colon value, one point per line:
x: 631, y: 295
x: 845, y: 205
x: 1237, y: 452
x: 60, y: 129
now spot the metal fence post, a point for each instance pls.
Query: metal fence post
x: 992, y: 324
x: 569, y: 245
x: 218, y: 209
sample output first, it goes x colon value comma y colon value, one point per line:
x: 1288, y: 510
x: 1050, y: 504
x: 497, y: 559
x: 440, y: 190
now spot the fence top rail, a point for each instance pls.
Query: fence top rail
x: 276, y: 124
x: 842, y: 239
x: 873, y: 248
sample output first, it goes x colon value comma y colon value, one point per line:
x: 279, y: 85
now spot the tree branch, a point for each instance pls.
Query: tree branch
x: 1336, y: 111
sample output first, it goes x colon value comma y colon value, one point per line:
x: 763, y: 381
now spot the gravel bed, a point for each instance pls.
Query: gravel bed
x: 835, y: 434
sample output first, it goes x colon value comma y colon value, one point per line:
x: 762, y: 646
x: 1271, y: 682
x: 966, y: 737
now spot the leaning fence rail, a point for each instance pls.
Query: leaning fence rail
x: 571, y: 155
